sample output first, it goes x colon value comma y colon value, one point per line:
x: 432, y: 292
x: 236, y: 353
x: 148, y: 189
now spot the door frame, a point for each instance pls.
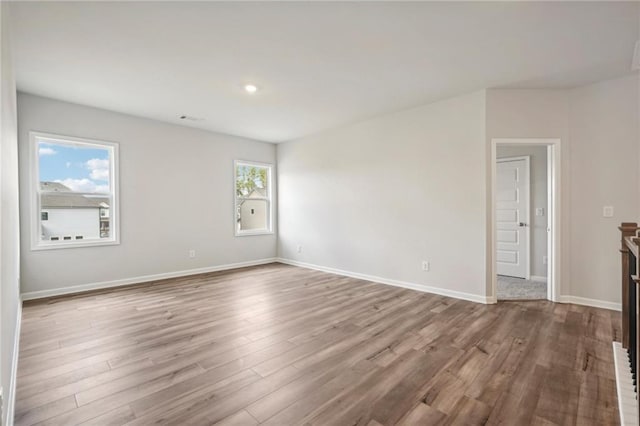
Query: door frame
x: 527, y: 215
x: 554, y: 225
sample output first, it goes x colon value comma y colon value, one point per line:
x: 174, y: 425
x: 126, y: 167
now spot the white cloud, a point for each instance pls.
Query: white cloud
x: 68, y: 164
x: 99, y: 169
x: 84, y: 185
x: 46, y: 151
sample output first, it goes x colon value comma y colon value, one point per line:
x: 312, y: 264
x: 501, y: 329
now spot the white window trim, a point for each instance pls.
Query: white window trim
x: 268, y: 198
x: 34, y: 192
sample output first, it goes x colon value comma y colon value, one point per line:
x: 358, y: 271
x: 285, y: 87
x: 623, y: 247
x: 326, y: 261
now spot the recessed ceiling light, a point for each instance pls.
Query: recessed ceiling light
x: 251, y: 88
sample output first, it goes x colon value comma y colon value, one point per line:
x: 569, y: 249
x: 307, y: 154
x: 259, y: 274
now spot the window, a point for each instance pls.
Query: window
x: 253, y: 207
x: 74, y: 192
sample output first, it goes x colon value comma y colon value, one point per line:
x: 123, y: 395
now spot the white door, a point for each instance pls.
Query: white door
x: 512, y: 216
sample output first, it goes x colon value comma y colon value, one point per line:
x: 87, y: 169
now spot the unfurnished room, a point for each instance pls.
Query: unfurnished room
x: 366, y: 213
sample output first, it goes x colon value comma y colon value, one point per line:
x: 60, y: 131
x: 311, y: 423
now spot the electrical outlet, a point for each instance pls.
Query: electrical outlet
x: 192, y: 254
x: 540, y: 211
x: 607, y: 211
x: 545, y: 260
x: 425, y: 265
x: 299, y: 249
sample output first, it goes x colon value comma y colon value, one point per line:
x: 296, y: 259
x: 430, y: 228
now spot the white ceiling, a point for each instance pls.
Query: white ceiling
x: 319, y: 65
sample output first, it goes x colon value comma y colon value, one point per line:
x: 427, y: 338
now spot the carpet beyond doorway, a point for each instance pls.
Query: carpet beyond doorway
x: 511, y: 288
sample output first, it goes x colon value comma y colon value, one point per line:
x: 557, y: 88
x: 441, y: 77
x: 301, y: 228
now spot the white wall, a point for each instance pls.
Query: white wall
x: 380, y: 196
x: 176, y: 194
x: 598, y: 127
x: 377, y: 197
x: 9, y: 239
x: 605, y: 144
x: 538, y: 199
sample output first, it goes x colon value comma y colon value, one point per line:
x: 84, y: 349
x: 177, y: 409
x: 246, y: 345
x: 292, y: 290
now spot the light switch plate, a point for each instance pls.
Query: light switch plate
x: 607, y: 211
x: 540, y: 211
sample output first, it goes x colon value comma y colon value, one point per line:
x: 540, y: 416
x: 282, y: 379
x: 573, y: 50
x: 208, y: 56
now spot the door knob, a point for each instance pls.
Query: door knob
x: 521, y: 224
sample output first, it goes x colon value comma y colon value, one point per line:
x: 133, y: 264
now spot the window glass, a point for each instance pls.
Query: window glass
x: 74, y: 191
x: 253, y: 198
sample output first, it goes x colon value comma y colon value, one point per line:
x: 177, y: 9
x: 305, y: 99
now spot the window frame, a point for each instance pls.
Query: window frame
x: 34, y: 192
x: 268, y: 199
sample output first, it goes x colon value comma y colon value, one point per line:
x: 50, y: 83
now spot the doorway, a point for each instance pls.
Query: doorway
x: 525, y: 231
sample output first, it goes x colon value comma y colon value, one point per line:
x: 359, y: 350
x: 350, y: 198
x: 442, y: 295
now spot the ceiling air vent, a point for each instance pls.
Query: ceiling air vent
x: 190, y: 118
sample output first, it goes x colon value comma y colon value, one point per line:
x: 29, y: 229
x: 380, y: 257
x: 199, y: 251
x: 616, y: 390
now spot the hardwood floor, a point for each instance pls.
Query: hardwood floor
x: 282, y: 345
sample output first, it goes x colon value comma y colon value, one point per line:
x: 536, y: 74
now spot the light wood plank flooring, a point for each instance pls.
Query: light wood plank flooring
x: 281, y: 345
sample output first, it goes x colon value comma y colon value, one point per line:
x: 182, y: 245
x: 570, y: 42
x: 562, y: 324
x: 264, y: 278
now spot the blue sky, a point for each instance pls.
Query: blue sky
x: 84, y: 169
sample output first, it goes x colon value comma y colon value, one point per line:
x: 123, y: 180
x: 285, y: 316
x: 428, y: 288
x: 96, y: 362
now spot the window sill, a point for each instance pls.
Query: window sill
x: 72, y: 244
x: 252, y: 233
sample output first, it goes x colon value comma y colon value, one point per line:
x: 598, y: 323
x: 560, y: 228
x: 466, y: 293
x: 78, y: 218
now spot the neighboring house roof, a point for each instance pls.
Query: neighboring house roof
x: 258, y: 192
x: 54, y: 186
x: 73, y: 201
x: 68, y: 199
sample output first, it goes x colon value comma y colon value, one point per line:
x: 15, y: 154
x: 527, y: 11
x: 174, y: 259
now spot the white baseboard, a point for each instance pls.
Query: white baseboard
x: 538, y: 278
x: 412, y: 286
x: 591, y: 302
x: 445, y: 292
x: 140, y: 279
x: 11, y: 394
